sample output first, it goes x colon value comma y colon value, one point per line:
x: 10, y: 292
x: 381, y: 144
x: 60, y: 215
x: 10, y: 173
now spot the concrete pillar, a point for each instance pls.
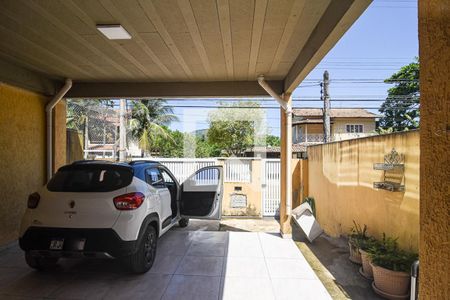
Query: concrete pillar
x: 286, y: 171
x: 434, y: 246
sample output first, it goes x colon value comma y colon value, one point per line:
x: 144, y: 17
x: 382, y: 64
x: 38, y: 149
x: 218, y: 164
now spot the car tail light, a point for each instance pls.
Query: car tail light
x: 129, y: 201
x: 33, y: 200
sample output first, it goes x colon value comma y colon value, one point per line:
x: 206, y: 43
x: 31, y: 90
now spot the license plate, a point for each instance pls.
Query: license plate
x: 57, y: 244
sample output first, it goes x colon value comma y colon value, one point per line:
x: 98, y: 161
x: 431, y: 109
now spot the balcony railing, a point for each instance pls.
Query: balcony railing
x: 318, y: 138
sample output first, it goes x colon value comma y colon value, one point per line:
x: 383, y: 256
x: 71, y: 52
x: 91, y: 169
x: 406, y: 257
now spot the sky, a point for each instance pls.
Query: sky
x: 382, y: 40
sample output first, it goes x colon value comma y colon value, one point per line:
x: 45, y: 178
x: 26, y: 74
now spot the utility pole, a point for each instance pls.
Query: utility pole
x: 326, y: 108
x: 122, y: 131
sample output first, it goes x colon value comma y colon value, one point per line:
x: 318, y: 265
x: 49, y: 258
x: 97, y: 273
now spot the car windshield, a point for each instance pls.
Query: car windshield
x: 90, y: 178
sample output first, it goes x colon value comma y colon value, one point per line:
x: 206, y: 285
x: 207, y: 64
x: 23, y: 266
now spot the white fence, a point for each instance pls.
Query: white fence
x: 238, y: 170
x: 182, y: 168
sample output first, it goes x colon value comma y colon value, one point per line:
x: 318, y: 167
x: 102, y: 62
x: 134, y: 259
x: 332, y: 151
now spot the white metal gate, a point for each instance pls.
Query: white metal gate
x: 182, y: 168
x: 271, y: 187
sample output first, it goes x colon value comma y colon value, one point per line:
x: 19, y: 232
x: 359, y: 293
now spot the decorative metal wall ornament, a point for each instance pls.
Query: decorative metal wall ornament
x: 394, y: 158
x: 393, y: 168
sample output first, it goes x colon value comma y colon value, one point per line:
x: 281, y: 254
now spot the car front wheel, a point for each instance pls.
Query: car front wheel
x: 143, y: 259
x: 183, y: 222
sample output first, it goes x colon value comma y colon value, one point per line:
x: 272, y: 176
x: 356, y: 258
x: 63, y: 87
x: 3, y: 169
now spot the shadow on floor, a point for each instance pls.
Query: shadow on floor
x: 329, y: 259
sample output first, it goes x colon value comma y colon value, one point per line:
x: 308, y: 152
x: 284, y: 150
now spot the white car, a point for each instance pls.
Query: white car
x: 114, y: 210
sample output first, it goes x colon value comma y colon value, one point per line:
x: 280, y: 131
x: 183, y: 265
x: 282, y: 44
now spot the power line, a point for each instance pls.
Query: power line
x: 271, y: 107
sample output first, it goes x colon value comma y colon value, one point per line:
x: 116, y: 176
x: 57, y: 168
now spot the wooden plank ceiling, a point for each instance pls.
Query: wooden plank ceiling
x: 172, y: 40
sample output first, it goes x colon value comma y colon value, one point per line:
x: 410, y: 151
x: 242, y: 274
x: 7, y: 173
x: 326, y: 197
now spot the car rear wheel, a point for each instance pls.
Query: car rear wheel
x: 143, y: 259
x: 40, y: 263
x: 183, y: 222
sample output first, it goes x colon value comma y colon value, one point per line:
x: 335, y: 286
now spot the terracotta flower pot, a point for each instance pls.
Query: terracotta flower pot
x: 366, y: 269
x: 355, y: 256
x: 390, y: 284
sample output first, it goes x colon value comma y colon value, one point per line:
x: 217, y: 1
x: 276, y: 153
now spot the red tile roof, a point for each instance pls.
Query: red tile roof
x: 334, y: 113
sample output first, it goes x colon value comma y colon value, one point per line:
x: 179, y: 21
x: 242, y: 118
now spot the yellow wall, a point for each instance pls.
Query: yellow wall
x: 22, y: 152
x: 74, y: 149
x: 251, y: 189
x: 341, y: 177
x: 299, y: 181
x: 434, y: 251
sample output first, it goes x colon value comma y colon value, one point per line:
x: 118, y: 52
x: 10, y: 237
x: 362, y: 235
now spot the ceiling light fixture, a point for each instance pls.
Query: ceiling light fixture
x: 114, y: 32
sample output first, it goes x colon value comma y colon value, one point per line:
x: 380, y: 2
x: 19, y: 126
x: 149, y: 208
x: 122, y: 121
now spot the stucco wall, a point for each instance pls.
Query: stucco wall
x: 434, y: 37
x: 22, y: 152
x: 341, y: 177
x: 252, y: 190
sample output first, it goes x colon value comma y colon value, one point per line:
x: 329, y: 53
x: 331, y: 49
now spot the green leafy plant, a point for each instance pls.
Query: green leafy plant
x: 312, y: 204
x: 388, y: 255
x: 367, y: 243
x: 357, y: 234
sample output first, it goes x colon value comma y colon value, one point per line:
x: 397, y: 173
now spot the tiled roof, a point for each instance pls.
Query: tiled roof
x: 276, y: 149
x: 308, y: 121
x: 335, y: 113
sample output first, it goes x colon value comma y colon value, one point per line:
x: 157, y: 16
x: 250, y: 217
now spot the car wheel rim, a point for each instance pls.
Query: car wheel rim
x: 150, y: 247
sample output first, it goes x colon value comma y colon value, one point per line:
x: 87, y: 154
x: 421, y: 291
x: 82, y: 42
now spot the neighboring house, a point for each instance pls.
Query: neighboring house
x: 346, y: 123
x: 298, y: 151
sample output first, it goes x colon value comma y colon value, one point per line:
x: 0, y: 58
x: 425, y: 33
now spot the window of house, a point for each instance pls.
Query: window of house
x: 354, y: 128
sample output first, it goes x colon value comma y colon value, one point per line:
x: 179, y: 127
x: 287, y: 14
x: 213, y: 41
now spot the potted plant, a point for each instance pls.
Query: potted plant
x: 391, y: 267
x: 356, y: 235
x: 365, y: 246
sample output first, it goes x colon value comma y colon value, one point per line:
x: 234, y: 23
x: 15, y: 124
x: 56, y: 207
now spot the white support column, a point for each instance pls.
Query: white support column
x: 122, y: 133
x: 285, y: 103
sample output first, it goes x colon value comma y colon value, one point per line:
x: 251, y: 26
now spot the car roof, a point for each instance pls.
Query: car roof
x: 134, y: 163
x: 138, y: 166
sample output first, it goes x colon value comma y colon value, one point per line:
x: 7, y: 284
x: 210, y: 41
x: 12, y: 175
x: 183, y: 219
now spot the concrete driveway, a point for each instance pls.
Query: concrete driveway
x: 189, y: 265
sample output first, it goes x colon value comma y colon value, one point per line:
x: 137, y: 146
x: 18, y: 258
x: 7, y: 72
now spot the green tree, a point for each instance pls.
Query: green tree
x: 234, y: 129
x: 272, y: 140
x: 171, y: 146
x: 205, y: 148
x: 148, y: 124
x: 400, y: 109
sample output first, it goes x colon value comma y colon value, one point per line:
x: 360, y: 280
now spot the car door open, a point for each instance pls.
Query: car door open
x: 201, y: 194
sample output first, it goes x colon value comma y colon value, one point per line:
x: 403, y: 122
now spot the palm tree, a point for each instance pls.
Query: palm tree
x: 149, y: 118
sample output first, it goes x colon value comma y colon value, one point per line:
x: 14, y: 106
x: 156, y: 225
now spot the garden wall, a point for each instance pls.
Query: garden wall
x: 341, y: 177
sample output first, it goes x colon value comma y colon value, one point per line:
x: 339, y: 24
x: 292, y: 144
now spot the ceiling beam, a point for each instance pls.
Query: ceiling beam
x: 153, y: 16
x: 223, y: 10
x: 191, y: 23
x: 337, y: 19
x: 84, y: 17
x: 257, y: 31
x: 15, y: 75
x: 69, y: 32
x: 170, y: 89
x: 289, y: 28
x: 109, y: 6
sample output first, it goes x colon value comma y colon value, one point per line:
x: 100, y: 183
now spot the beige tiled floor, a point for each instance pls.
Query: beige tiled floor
x: 189, y: 265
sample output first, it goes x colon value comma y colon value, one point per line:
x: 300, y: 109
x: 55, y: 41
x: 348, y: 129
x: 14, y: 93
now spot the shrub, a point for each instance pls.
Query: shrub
x: 366, y: 244
x: 387, y: 254
x: 357, y: 234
